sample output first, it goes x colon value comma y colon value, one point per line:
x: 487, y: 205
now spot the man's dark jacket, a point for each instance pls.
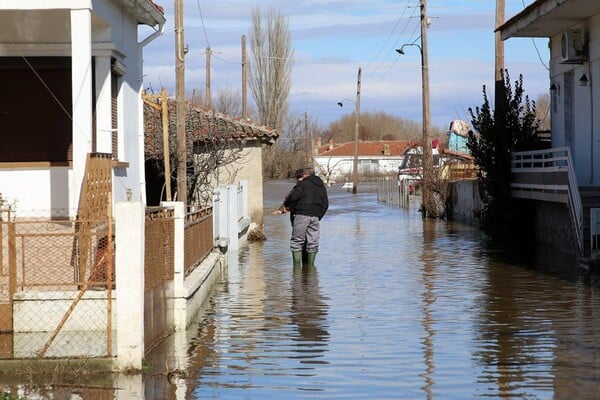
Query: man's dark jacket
x: 308, y: 197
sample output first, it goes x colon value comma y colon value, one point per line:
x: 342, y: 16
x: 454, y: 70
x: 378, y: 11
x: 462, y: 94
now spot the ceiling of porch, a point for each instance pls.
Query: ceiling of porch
x: 40, y: 26
x: 547, y: 18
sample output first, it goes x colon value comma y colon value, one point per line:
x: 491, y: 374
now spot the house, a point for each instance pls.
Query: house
x: 565, y: 187
x: 224, y: 150
x: 74, y: 72
x: 334, y: 161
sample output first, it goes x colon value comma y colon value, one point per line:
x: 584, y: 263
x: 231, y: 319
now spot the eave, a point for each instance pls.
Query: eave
x: 145, y: 11
x: 547, y: 18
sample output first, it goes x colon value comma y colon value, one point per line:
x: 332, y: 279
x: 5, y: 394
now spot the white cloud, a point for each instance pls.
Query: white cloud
x: 332, y: 38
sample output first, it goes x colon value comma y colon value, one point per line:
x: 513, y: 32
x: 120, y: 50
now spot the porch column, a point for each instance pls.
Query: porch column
x: 81, y: 81
x: 103, y: 105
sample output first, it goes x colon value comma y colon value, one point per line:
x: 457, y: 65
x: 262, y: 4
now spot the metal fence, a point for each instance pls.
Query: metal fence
x: 56, y: 281
x: 158, y: 272
x: 198, y: 237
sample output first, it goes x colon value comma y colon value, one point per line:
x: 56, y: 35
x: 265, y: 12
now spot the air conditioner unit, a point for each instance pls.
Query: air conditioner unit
x: 572, y: 47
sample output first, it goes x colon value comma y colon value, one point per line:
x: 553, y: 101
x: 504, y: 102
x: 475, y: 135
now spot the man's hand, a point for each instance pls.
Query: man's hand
x: 280, y: 210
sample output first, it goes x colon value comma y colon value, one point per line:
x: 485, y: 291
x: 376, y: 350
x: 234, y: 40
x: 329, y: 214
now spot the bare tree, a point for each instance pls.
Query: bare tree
x: 228, y: 102
x: 293, y: 149
x: 329, y: 171
x: 377, y: 126
x: 542, y: 111
x: 215, y: 148
x: 270, y: 67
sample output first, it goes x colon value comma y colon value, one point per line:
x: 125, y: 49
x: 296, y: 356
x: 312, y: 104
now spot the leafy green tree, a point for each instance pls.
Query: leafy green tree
x: 511, y: 127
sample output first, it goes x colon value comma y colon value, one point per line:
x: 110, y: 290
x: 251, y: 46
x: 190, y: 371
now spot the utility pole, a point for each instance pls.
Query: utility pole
x: 208, y: 100
x: 356, y: 128
x: 499, y: 58
x: 180, y: 99
x: 427, y: 159
x: 165, y: 128
x: 244, y: 80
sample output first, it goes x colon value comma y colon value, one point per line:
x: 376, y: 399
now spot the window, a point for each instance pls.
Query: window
x: 35, y: 119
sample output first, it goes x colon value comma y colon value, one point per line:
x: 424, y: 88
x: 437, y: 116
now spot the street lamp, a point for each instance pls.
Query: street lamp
x: 356, y: 126
x: 427, y: 160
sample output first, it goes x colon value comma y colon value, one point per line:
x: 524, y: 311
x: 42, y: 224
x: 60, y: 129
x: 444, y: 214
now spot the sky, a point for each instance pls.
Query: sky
x: 331, y: 39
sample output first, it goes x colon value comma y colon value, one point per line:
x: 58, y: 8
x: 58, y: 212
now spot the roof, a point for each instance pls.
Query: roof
x: 146, y: 11
x: 200, y: 124
x: 366, y: 148
x: 546, y: 18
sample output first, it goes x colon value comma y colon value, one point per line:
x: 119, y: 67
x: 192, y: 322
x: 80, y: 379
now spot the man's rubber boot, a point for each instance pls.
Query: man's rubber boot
x: 297, y: 257
x: 311, y: 259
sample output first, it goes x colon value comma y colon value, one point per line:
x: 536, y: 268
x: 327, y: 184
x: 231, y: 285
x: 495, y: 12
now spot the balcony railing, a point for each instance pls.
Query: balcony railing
x: 548, y: 175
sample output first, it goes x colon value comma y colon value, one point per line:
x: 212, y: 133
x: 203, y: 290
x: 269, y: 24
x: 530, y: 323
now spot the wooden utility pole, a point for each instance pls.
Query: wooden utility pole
x: 165, y: 129
x: 180, y: 99
x: 499, y: 59
x: 427, y: 159
x: 208, y: 100
x: 356, y: 129
x: 244, y: 80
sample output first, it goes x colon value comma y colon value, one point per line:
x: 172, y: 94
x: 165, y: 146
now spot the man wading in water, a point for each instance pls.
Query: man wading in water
x: 308, y: 203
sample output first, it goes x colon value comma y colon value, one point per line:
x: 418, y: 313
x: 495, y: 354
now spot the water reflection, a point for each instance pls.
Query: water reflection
x: 428, y: 298
x: 543, y: 333
x: 309, y: 313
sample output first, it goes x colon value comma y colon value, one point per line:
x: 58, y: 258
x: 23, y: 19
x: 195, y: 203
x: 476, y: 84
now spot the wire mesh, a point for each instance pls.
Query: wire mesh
x: 53, y: 286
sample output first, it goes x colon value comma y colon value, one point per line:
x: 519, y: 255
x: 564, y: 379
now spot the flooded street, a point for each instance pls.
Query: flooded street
x: 396, y: 308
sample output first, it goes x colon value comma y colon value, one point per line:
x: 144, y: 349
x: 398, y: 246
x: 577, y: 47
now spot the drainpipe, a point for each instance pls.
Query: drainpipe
x: 159, y: 31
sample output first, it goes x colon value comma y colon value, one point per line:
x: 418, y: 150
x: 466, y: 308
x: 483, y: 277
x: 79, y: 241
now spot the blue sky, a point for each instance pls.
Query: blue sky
x: 332, y: 38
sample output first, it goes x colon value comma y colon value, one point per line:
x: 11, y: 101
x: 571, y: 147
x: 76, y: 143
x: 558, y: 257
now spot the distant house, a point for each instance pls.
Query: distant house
x: 226, y: 137
x: 74, y: 73
x: 565, y: 187
x: 334, y: 162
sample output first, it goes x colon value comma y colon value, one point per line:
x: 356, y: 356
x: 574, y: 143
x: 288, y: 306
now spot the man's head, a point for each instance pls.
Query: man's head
x: 299, y: 173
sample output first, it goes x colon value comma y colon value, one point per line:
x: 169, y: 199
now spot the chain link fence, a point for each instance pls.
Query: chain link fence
x: 56, y: 286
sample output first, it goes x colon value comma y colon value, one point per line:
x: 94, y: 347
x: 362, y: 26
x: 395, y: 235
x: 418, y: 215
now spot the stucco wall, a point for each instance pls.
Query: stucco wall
x: 582, y: 109
x: 248, y: 167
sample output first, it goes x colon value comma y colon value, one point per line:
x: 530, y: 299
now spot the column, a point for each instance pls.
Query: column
x: 81, y: 79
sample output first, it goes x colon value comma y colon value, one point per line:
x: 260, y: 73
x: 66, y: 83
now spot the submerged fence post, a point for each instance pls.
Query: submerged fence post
x: 129, y: 274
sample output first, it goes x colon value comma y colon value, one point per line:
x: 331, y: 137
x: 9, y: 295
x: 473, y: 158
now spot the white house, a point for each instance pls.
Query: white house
x: 334, y: 162
x: 72, y: 74
x: 570, y: 176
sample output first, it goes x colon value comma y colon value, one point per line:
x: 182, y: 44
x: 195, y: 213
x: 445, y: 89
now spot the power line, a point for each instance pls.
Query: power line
x: 203, y: 26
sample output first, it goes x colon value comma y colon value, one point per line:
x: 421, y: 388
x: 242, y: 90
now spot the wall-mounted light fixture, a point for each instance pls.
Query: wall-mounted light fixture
x: 583, y: 81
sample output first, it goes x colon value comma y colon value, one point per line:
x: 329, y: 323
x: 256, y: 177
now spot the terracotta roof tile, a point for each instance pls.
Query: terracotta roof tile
x: 366, y: 148
x: 159, y: 8
x: 200, y: 123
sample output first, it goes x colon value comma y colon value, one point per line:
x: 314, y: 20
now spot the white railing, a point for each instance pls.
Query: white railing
x: 552, y: 161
